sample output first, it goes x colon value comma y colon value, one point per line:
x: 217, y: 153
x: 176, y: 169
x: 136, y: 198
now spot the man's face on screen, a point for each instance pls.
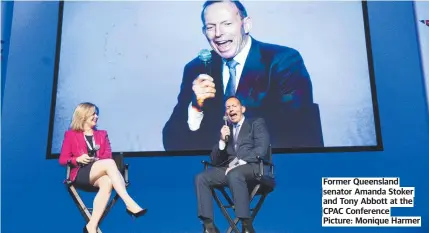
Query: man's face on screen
x: 234, y: 110
x: 224, y: 29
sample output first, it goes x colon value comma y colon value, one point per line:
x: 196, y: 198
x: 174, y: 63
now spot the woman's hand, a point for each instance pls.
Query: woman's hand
x: 84, y: 159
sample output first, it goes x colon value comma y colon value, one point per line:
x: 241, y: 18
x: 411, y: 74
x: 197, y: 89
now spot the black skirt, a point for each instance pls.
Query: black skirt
x: 82, y: 179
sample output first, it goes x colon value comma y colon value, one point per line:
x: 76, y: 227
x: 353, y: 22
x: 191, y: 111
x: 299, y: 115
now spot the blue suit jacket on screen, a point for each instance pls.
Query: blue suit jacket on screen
x: 274, y: 85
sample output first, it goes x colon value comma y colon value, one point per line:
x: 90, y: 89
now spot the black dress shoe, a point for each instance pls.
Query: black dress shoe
x: 248, y: 230
x: 210, y: 228
x: 247, y: 226
x: 138, y: 214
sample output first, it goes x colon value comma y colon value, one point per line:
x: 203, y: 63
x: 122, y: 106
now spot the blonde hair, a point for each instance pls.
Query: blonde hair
x: 81, y: 113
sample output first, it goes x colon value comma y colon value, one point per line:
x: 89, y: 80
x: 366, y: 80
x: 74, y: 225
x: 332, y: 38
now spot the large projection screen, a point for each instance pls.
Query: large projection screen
x: 422, y: 20
x: 129, y: 59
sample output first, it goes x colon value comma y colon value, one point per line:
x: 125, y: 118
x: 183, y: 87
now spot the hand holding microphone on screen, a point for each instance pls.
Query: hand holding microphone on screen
x: 203, y: 86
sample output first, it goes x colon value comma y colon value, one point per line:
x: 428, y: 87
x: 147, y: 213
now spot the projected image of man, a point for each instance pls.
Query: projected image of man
x: 271, y: 80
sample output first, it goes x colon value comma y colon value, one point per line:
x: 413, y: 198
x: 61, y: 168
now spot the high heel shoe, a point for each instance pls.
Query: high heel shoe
x: 138, y: 214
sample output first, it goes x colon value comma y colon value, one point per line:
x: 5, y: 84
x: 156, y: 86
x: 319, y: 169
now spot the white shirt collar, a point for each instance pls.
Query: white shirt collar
x: 242, y: 55
x: 240, y: 123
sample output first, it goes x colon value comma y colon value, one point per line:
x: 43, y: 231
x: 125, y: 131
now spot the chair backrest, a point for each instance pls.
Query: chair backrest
x: 269, y: 155
x: 119, y: 160
x: 269, y: 158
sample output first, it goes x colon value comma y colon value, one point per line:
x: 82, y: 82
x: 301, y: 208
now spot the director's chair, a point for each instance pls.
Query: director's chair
x: 85, y: 211
x: 262, y: 185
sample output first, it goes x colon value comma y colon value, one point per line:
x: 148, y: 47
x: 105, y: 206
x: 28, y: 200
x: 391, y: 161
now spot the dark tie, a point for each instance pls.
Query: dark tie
x: 231, y: 86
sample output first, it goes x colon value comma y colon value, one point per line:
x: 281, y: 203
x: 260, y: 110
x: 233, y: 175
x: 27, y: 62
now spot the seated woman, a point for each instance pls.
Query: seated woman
x: 88, y: 151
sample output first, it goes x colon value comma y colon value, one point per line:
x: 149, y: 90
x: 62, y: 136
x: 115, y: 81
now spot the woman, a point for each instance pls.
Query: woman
x: 88, y: 151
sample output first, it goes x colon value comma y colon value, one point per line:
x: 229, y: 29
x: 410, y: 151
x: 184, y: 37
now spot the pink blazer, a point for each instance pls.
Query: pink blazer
x: 74, y: 145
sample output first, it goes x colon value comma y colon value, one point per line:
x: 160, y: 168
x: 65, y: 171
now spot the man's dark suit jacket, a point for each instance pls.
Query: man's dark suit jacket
x: 253, y: 140
x: 274, y: 85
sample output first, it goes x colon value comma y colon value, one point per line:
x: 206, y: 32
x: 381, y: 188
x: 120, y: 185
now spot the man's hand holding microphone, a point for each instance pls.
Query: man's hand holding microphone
x: 224, y: 133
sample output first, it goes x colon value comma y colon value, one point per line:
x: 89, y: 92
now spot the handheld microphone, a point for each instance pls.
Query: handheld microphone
x: 206, y: 57
x: 225, y: 118
x: 92, y: 152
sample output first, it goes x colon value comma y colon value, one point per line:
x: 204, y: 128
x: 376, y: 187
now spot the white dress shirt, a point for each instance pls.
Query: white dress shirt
x: 194, y: 117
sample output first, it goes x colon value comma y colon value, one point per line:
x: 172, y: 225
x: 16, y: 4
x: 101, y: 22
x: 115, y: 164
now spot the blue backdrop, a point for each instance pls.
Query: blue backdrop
x: 34, y: 199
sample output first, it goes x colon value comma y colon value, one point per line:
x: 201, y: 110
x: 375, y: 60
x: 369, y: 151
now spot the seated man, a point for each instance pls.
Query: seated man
x: 235, y: 161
